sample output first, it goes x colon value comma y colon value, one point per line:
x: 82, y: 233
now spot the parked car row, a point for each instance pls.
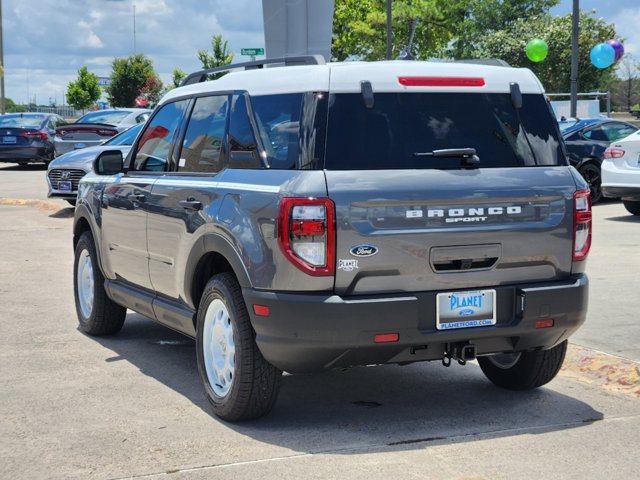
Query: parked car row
x: 40, y: 137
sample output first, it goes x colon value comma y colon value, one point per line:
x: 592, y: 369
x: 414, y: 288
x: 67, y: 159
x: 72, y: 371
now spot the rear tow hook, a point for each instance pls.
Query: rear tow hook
x: 462, y: 352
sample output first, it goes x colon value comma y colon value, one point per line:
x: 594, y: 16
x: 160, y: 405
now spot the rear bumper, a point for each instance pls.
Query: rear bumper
x: 25, y: 154
x: 626, y: 193
x: 314, y: 332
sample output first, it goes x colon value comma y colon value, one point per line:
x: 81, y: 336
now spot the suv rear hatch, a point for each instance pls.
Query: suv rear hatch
x: 410, y: 217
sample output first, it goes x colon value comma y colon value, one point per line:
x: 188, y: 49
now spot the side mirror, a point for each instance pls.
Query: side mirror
x: 109, y: 162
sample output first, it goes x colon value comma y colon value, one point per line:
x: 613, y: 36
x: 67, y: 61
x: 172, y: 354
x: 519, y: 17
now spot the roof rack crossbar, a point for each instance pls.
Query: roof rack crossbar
x: 202, y: 75
x: 496, y: 62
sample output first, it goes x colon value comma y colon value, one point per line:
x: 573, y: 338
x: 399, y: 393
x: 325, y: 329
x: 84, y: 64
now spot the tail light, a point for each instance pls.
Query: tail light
x: 306, y: 234
x: 42, y: 136
x: 441, y: 81
x: 106, y: 133
x: 581, y: 224
x: 613, y: 152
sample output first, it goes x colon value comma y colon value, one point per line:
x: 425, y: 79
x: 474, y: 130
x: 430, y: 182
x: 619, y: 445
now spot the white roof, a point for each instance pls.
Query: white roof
x: 346, y: 77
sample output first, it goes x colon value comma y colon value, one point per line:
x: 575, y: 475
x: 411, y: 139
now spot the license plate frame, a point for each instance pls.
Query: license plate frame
x: 65, y: 186
x: 9, y: 140
x: 466, y: 309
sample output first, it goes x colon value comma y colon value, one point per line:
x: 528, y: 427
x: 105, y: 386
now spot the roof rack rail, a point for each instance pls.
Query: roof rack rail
x: 496, y: 62
x: 202, y: 75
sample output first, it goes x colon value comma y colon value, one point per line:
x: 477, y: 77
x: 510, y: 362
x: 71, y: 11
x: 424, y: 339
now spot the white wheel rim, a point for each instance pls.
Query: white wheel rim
x: 505, y: 361
x: 219, y: 348
x: 85, y: 281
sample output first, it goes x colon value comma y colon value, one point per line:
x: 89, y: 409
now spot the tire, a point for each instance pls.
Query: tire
x: 238, y: 382
x: 97, y: 314
x: 524, y: 370
x: 593, y: 176
x: 632, y: 206
x: 71, y: 202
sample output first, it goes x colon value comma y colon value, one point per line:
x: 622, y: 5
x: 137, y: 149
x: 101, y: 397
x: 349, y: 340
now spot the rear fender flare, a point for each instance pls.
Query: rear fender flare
x: 82, y: 212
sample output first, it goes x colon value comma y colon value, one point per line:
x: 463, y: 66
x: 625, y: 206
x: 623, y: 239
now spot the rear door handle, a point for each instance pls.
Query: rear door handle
x: 136, y: 197
x: 191, y: 204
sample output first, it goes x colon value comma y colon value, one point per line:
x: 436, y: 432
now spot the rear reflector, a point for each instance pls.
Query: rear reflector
x: 612, y: 152
x: 261, y: 310
x: 441, y: 81
x: 386, y: 337
x: 546, y: 323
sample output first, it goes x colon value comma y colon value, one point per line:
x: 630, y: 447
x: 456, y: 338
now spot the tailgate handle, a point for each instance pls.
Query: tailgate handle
x: 465, y: 264
x: 464, y: 257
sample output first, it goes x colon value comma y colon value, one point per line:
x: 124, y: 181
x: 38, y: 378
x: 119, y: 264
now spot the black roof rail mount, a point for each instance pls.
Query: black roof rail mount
x: 496, y: 62
x: 202, y: 75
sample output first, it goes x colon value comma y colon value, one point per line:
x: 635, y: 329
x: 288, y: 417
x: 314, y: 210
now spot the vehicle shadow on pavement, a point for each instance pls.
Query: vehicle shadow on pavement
x: 63, y: 213
x: 625, y: 219
x: 345, y: 411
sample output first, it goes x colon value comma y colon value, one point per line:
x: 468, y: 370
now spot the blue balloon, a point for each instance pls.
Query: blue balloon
x: 603, y: 55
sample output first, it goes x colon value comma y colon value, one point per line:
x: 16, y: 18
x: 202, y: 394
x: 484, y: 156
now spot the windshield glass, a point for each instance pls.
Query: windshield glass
x: 14, y: 121
x: 113, y: 117
x: 402, y: 127
x: 125, y: 138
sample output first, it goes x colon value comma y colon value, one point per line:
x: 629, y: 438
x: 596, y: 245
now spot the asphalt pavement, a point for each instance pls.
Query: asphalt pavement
x: 130, y: 406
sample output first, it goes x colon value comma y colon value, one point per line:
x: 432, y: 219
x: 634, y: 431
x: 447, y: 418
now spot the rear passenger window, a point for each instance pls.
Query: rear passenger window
x: 155, y: 142
x: 242, y: 144
x: 203, y: 140
x: 278, y: 122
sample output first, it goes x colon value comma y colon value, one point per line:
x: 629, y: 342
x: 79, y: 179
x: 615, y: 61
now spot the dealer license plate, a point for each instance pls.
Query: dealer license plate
x: 10, y: 140
x: 465, y: 309
x: 64, y: 185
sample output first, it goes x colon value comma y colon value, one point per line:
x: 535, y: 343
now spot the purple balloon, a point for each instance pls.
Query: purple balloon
x: 618, y: 48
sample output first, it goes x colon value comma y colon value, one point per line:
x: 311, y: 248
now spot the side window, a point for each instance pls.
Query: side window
x: 242, y: 144
x: 155, y: 141
x: 596, y: 134
x: 203, y: 140
x: 143, y: 117
x: 616, y: 132
x: 278, y: 121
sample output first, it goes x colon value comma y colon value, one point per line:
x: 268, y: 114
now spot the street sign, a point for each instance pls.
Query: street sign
x: 104, y: 81
x: 252, y: 51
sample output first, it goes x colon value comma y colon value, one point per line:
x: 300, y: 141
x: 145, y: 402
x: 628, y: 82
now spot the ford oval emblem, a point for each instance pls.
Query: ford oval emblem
x: 363, y: 250
x: 466, y: 312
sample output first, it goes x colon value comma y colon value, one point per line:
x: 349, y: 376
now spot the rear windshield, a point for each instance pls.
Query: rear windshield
x: 402, y: 129
x: 14, y: 121
x: 104, y: 117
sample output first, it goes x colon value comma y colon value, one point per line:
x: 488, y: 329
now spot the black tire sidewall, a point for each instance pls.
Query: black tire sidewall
x: 218, y: 289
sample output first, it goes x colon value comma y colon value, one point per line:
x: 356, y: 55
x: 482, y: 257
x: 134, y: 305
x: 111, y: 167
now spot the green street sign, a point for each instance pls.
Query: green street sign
x: 252, y: 51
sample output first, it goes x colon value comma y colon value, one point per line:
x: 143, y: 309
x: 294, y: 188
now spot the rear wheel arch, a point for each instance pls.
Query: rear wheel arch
x: 214, y: 255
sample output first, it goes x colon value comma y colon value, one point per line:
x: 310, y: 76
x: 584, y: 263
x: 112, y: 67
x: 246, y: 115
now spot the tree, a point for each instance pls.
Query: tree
x: 219, y: 58
x: 128, y: 77
x: 482, y: 17
x: 178, y: 76
x: 359, y: 27
x: 84, y: 91
x: 554, y: 71
x: 11, y: 107
x: 624, y: 88
x: 151, y: 93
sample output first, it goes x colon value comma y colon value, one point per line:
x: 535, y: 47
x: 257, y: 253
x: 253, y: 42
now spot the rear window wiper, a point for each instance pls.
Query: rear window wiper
x: 467, y: 155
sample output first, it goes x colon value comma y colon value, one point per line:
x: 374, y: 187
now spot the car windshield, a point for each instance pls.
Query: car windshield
x: 125, y: 138
x: 405, y: 131
x: 113, y: 117
x: 29, y: 121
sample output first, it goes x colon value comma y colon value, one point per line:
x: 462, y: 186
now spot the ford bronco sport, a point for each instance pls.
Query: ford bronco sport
x: 311, y: 216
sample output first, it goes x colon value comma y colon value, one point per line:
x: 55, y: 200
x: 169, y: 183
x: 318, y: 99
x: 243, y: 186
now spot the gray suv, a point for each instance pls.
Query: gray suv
x: 311, y: 216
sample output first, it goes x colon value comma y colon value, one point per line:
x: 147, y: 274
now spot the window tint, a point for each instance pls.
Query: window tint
x: 596, y: 134
x: 155, y: 142
x: 615, y: 132
x: 203, y: 140
x: 278, y: 122
x: 242, y: 144
x: 401, y: 125
x: 125, y: 138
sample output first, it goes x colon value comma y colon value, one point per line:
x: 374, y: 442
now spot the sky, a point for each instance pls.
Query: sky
x: 47, y: 41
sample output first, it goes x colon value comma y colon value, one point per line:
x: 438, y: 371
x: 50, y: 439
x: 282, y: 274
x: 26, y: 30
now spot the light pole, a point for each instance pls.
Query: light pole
x: 389, y: 34
x: 574, y: 58
x: 2, y: 104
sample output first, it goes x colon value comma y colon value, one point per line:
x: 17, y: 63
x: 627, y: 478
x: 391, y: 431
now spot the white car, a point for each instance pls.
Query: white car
x: 64, y: 173
x: 621, y: 172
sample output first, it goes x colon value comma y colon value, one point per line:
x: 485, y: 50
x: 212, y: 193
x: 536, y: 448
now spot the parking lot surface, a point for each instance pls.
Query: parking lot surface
x: 130, y: 406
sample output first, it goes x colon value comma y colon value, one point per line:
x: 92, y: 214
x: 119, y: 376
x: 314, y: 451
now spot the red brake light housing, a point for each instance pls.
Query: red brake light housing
x: 441, y: 81
x: 306, y: 234
x: 613, y: 152
x: 582, y: 225
x: 42, y: 136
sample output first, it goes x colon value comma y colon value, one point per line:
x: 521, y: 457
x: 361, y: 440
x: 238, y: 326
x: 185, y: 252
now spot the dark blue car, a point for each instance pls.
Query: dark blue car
x: 586, y: 141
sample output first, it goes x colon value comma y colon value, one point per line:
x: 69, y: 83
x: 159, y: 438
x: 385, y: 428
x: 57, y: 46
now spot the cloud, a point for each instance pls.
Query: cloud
x: 626, y: 22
